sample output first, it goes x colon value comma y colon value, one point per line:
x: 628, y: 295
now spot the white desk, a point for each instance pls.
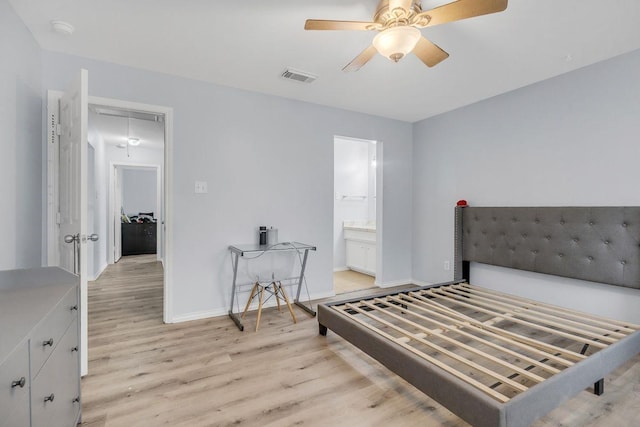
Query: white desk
x: 254, y: 250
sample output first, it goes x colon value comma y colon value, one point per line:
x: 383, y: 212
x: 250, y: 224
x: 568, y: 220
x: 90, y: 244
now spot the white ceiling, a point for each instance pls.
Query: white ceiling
x: 247, y: 44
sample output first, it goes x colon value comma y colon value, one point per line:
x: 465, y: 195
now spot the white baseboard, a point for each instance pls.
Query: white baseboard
x: 100, y: 271
x: 199, y: 315
x: 337, y: 269
x: 322, y: 295
x: 395, y: 283
x: 359, y: 270
x: 421, y: 283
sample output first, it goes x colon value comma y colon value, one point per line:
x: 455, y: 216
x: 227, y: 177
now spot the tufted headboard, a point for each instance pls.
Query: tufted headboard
x: 599, y: 244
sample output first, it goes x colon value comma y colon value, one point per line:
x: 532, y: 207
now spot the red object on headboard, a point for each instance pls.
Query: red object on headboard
x: 462, y: 203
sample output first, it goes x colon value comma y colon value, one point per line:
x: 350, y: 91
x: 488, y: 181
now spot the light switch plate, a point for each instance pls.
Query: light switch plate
x: 201, y: 187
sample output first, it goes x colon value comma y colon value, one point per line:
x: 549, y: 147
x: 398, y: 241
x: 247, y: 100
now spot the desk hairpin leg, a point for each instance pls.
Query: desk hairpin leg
x: 300, y: 280
x: 234, y: 260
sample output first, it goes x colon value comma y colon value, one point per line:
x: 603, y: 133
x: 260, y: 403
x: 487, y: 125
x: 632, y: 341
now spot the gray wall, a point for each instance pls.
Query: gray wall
x: 21, y: 176
x: 570, y: 140
x: 139, y: 191
x: 267, y: 160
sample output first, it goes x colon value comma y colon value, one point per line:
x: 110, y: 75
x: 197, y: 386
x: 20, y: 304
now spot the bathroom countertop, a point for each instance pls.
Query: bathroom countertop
x: 360, y: 225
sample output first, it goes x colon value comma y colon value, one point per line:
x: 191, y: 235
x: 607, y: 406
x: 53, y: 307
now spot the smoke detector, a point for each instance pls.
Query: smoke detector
x: 297, y: 75
x: 62, y: 27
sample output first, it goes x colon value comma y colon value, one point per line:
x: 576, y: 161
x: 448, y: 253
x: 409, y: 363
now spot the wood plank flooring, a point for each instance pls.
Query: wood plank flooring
x: 207, y: 373
x: 349, y: 281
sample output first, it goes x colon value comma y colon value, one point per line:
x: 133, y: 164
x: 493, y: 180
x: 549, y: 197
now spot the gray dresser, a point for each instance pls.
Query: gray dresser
x: 39, y: 343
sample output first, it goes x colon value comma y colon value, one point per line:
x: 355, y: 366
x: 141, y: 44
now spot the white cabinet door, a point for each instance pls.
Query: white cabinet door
x: 356, y: 256
x: 361, y: 257
x: 370, y: 264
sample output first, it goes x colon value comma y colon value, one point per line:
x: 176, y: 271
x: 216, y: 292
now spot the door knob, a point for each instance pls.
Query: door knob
x: 70, y: 238
x: 18, y: 383
x: 93, y: 237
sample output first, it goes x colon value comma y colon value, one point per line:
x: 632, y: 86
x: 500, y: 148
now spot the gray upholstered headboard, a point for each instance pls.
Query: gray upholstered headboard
x: 599, y: 244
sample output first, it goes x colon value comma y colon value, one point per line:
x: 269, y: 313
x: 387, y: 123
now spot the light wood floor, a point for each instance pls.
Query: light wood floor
x: 349, y: 281
x: 207, y: 373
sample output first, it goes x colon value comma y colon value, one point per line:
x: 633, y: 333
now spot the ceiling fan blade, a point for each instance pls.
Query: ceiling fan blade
x: 361, y: 59
x: 402, y: 4
x: 462, y: 9
x: 429, y: 53
x: 320, y: 24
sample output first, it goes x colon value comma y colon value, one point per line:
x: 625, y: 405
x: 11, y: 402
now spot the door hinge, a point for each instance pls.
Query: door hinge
x: 58, y: 129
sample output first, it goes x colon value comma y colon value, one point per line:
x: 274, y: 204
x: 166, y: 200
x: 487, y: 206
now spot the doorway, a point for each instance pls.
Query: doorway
x: 355, y: 254
x: 130, y: 152
x: 135, y: 207
x: 97, y: 208
x: 130, y: 160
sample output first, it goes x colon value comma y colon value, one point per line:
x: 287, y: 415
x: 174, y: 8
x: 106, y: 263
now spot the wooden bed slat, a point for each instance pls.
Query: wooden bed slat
x: 481, y: 328
x: 436, y: 347
x: 580, y: 316
x: 612, y: 330
x: 548, y: 349
x: 458, y: 299
x: 515, y: 310
x: 442, y: 335
x: 458, y: 326
x: 488, y: 390
x: 597, y: 324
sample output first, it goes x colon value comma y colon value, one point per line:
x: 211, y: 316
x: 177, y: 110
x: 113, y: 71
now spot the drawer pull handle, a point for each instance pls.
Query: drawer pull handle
x: 18, y: 383
x: 76, y: 400
x: 49, y: 398
x: 48, y: 342
x: 75, y: 307
x: 74, y: 349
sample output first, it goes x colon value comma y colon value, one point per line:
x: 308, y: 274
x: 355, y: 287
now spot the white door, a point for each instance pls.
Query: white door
x: 117, y: 214
x: 73, y: 193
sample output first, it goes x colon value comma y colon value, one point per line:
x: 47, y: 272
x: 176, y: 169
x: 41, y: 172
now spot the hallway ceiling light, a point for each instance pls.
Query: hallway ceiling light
x: 134, y: 141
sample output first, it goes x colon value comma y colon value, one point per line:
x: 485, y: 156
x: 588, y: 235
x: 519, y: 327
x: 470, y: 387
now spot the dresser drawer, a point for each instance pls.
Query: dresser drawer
x: 47, y: 334
x: 55, y: 391
x: 14, y: 388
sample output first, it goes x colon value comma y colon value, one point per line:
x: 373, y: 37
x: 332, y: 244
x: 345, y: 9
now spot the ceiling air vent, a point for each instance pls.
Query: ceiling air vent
x: 297, y: 75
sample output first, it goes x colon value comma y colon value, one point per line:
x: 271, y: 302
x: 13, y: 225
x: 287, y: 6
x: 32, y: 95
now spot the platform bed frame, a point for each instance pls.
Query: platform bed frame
x: 496, y: 359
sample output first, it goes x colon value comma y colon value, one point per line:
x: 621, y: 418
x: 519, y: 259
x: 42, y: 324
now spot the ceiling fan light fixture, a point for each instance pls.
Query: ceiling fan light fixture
x: 396, y: 42
x: 134, y: 141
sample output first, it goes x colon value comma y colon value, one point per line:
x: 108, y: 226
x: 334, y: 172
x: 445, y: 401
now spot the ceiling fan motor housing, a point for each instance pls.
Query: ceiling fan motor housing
x: 389, y: 18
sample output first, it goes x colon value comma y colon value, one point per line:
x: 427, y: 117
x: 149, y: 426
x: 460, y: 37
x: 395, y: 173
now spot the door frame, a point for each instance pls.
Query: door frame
x: 379, y: 195
x: 53, y: 97
x: 114, y: 216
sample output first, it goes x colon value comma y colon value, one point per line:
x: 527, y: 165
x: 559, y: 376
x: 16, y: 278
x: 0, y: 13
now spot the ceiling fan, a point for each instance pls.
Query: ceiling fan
x: 398, y: 23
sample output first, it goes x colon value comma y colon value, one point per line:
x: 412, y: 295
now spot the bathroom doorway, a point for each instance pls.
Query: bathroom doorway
x: 354, y: 211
